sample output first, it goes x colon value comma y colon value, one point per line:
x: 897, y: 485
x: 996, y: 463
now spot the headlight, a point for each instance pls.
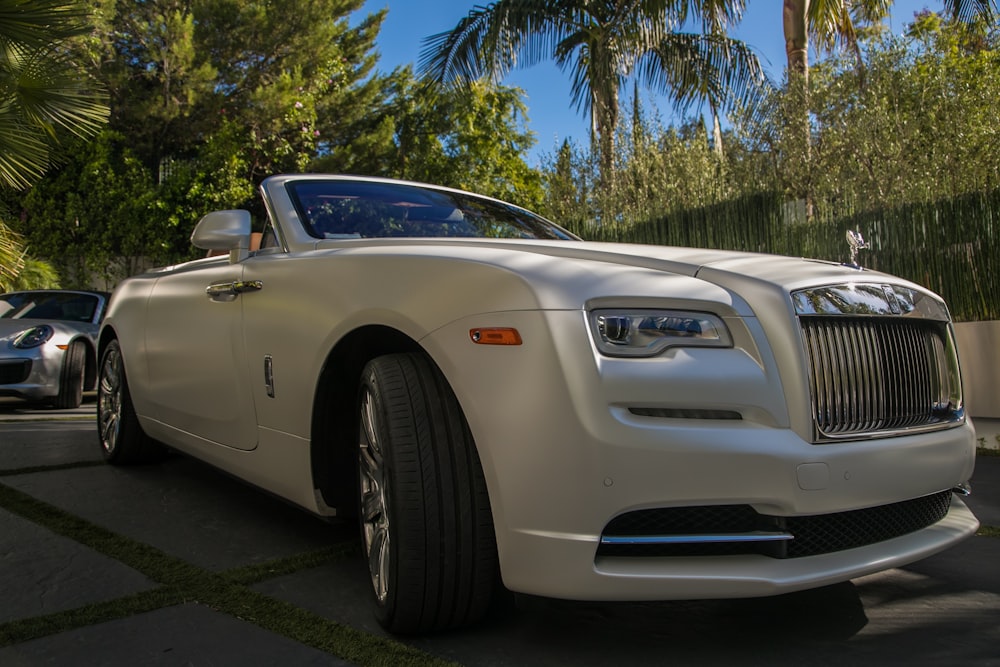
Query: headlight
x: 34, y: 337
x: 645, y: 333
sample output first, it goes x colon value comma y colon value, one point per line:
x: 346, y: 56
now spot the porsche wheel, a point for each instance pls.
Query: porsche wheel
x: 122, y: 439
x: 71, y: 378
x: 426, y: 523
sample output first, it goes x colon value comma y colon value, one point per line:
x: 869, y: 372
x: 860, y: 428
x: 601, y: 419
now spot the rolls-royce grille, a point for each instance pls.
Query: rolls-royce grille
x: 876, y: 374
x: 739, y: 529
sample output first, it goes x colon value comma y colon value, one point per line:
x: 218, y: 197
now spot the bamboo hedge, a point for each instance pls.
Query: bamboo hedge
x: 949, y: 246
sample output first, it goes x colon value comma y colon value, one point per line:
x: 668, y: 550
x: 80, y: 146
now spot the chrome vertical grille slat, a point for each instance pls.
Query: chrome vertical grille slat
x: 870, y: 374
x: 881, y: 360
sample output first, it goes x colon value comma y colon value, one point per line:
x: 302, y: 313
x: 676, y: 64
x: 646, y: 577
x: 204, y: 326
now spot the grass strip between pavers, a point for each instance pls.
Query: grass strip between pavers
x: 182, y: 582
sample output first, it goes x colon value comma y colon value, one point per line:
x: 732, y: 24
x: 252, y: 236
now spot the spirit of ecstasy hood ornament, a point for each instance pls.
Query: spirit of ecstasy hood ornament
x: 857, y: 242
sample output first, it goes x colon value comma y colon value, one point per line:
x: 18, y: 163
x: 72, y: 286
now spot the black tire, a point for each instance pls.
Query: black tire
x: 426, y: 524
x: 122, y: 439
x: 71, y: 377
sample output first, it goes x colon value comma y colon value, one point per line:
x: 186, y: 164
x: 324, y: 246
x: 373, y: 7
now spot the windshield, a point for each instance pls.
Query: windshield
x: 48, y: 306
x: 343, y: 209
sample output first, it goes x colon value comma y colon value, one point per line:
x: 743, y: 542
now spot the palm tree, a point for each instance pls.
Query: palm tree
x: 42, y: 95
x: 831, y: 22
x: 835, y: 22
x: 601, y: 43
x: 970, y: 10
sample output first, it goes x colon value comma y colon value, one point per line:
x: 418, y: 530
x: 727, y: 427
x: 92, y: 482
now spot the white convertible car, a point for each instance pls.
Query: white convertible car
x: 502, y: 405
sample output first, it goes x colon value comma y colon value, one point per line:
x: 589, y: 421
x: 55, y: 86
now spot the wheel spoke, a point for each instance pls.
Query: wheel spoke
x: 372, y: 505
x: 378, y: 563
x: 109, y: 431
x: 374, y: 508
x: 110, y: 401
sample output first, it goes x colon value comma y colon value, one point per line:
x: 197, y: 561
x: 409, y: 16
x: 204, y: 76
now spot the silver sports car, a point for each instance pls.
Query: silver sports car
x: 48, y: 344
x: 503, y: 406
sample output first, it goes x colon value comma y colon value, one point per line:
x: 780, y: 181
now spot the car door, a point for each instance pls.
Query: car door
x: 195, y: 354
x: 286, y: 328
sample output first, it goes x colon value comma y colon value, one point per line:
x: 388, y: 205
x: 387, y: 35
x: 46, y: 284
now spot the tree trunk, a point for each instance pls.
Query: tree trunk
x: 604, y: 118
x: 794, y: 13
x: 794, y: 22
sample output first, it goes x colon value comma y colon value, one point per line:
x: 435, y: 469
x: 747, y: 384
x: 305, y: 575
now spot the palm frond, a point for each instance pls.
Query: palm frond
x: 835, y: 23
x: 51, y: 94
x: 24, y: 153
x: 490, y: 41
x: 970, y: 10
x: 12, y: 256
x: 693, y: 68
x: 43, y: 94
x: 34, y: 24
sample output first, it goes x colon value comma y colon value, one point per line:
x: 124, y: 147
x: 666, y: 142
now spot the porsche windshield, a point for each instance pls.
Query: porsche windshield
x: 48, y: 306
x: 366, y: 209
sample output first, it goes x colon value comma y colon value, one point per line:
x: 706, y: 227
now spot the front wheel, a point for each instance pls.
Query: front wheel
x: 426, y: 523
x: 122, y: 439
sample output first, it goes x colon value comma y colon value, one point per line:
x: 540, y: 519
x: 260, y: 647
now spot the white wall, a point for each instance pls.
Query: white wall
x: 979, y: 353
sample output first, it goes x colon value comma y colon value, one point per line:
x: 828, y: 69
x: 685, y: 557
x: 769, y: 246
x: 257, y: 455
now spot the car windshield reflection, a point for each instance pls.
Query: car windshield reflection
x: 48, y: 306
x: 360, y: 209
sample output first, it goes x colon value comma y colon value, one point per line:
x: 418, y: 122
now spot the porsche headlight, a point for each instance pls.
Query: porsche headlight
x: 34, y: 337
x: 646, y: 333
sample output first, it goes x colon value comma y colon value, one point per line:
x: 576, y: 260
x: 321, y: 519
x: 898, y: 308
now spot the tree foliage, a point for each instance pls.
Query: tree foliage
x: 45, y: 98
x: 44, y: 95
x: 472, y: 139
x: 208, y: 97
x: 919, y: 126
x: 600, y: 44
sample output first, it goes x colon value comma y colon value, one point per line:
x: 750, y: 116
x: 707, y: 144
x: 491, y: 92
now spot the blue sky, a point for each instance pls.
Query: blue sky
x: 547, y: 90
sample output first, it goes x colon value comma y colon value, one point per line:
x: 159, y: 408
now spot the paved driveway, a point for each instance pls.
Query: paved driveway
x: 178, y: 564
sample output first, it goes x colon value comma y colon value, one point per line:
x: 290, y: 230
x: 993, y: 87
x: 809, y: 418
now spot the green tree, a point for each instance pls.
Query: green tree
x: 473, y: 138
x: 293, y: 73
x: 44, y: 97
x: 566, y: 188
x: 832, y: 22
x: 923, y: 127
x: 601, y: 43
x: 660, y: 170
x: 208, y: 97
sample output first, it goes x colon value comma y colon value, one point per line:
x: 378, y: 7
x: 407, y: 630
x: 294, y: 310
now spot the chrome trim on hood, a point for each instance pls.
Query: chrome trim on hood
x: 869, y: 299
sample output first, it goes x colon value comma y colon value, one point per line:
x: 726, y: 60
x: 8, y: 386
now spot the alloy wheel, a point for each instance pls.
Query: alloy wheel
x: 374, y: 506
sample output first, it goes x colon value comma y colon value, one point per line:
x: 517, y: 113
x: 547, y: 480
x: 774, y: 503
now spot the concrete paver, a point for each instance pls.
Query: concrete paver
x: 43, y: 573
x: 187, y: 634
x: 184, y: 509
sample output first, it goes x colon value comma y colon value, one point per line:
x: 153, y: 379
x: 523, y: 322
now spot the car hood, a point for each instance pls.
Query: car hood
x: 586, y: 269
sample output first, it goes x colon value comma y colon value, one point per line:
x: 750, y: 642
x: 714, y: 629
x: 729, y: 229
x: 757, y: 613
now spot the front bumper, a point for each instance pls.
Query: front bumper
x: 563, y: 566
x: 33, y: 376
x: 565, y: 453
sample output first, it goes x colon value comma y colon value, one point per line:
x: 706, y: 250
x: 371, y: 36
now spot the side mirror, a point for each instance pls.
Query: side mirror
x: 224, y: 230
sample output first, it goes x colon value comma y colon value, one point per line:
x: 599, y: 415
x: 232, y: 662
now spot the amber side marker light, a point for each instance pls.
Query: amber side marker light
x: 495, y: 336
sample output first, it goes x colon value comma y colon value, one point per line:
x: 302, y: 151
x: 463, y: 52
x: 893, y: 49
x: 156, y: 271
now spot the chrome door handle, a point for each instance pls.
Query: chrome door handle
x: 234, y: 288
